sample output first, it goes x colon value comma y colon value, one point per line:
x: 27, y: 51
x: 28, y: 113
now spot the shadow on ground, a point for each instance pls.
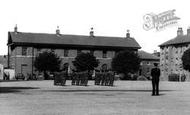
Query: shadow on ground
x: 104, y: 90
x: 14, y: 89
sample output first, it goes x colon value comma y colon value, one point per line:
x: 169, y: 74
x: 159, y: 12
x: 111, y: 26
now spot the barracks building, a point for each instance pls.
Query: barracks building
x: 24, y: 47
x: 171, y: 53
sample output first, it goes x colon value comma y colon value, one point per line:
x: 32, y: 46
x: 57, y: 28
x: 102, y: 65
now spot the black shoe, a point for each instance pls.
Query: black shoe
x: 153, y: 94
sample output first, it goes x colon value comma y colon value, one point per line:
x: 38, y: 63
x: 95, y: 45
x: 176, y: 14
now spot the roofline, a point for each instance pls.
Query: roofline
x: 71, y: 45
x: 72, y: 35
x: 173, y: 44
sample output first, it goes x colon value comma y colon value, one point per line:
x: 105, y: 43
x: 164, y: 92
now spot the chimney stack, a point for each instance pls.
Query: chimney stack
x: 180, y: 31
x: 57, y: 31
x: 15, y: 29
x: 188, y: 31
x: 128, y: 34
x: 92, y: 32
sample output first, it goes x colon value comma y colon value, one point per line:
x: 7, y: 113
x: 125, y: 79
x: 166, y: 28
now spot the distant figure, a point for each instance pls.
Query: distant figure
x: 155, y: 73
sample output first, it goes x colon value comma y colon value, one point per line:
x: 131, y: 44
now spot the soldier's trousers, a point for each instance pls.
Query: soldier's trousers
x: 111, y: 82
x: 155, y: 87
x: 73, y: 80
x: 103, y: 80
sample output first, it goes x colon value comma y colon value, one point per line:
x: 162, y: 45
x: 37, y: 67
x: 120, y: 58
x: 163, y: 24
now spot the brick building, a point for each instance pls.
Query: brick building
x: 24, y: 47
x: 171, y: 52
x: 147, y: 63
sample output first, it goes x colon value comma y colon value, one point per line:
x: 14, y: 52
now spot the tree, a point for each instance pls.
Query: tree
x: 47, y: 61
x: 85, y: 61
x: 126, y: 62
x: 186, y: 60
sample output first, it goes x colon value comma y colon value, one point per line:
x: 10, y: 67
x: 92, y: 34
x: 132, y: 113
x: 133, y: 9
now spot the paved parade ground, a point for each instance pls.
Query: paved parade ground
x: 124, y: 98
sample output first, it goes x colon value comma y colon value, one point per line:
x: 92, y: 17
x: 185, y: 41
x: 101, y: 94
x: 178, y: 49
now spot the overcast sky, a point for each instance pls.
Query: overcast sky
x: 108, y: 17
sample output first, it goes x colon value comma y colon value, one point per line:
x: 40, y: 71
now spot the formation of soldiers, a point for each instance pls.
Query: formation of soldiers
x: 80, y: 78
x: 102, y: 77
x: 60, y: 78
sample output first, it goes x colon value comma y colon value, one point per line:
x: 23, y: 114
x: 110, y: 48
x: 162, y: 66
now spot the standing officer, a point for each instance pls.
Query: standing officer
x: 155, y: 73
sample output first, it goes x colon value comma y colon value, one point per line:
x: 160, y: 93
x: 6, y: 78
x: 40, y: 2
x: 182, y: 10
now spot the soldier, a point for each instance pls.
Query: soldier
x: 86, y: 74
x: 155, y: 73
x: 77, y: 78
x: 63, y: 77
x: 103, y: 77
x: 81, y: 78
x: 73, y: 78
x: 107, y: 78
x: 104, y: 72
x: 111, y: 78
x: 97, y: 77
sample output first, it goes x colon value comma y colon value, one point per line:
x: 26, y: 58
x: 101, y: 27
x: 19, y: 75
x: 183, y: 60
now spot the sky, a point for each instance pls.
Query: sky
x: 107, y: 17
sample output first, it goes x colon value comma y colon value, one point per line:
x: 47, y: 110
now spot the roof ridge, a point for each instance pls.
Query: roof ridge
x: 73, y: 35
x: 177, y: 40
x: 46, y: 38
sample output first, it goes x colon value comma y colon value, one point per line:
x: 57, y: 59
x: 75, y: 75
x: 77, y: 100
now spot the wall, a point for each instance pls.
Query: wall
x: 170, y: 60
x: 23, y: 64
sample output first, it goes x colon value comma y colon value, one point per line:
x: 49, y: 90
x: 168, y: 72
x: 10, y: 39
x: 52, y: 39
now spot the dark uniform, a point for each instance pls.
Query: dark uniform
x: 97, y: 77
x: 73, y: 78
x: 111, y: 82
x: 103, y: 77
x: 155, y: 73
x: 77, y: 78
x: 86, y: 75
x: 60, y: 78
x: 107, y: 78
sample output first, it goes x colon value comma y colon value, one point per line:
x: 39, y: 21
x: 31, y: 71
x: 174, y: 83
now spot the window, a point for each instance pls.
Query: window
x: 104, y: 54
x: 24, y: 51
x: 66, y: 53
x: 79, y: 52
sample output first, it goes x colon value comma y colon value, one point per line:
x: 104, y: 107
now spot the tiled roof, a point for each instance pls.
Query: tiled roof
x: 177, y: 40
x: 41, y: 38
x: 147, y: 56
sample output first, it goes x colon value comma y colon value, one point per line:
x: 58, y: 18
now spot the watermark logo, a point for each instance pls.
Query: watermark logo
x: 160, y: 21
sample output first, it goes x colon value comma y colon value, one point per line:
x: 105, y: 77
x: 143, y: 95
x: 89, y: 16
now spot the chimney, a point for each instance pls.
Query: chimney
x: 188, y: 31
x: 179, y: 31
x: 15, y: 29
x: 57, y: 31
x: 128, y: 34
x: 91, y: 32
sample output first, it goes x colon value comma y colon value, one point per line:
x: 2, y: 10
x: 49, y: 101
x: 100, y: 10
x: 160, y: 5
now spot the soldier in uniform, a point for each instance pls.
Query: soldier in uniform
x: 73, y: 78
x: 107, y: 78
x: 77, y: 78
x: 86, y: 74
x: 103, y: 77
x: 111, y: 78
x: 155, y: 73
x: 97, y: 77
x: 64, y: 76
x: 103, y: 72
